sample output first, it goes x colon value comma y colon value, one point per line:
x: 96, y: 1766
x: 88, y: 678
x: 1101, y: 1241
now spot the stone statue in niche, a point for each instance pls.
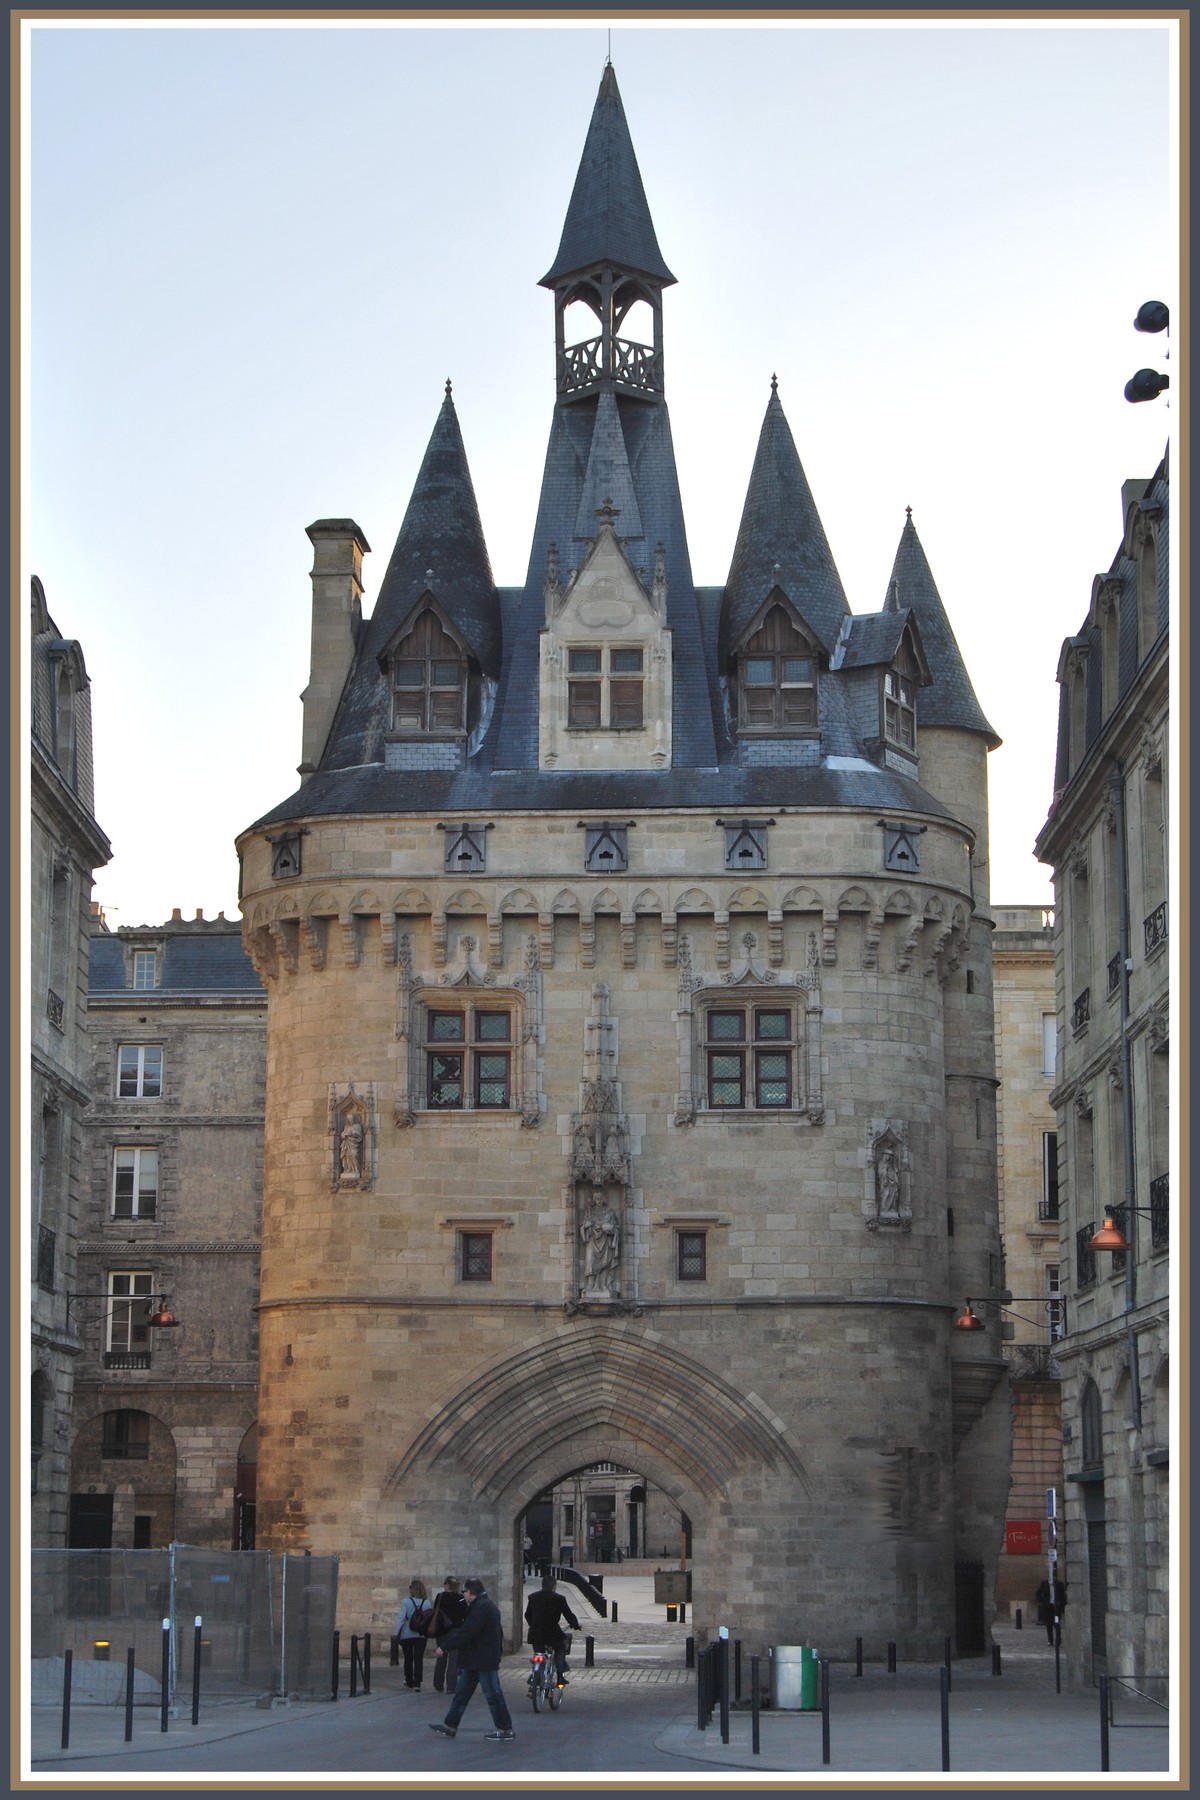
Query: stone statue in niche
x: 889, y: 1176
x: 350, y: 1149
x: 601, y: 1236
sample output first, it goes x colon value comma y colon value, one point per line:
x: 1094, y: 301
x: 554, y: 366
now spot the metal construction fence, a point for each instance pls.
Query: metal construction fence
x: 265, y: 1625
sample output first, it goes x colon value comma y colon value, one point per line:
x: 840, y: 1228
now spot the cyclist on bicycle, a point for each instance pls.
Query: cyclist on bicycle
x: 542, y: 1615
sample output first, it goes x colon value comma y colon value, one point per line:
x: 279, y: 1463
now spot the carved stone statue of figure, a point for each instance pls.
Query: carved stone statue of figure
x: 350, y: 1147
x: 601, y: 1235
x: 887, y: 1183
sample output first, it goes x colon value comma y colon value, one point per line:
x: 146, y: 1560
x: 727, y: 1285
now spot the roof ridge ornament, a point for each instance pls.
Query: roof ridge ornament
x: 448, y: 387
x: 774, y: 387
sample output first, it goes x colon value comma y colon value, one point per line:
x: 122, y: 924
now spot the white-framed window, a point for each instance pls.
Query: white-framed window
x: 135, y: 1182
x: 145, y: 970
x: 606, y: 687
x: 1054, y: 1305
x: 1049, y: 1044
x: 129, y: 1293
x: 900, y: 708
x: 139, y: 1071
x: 468, y: 1057
x: 749, y: 1055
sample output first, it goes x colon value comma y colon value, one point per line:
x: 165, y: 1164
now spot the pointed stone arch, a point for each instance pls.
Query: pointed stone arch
x: 599, y: 1377
x: 748, y: 899
x: 412, y: 901
x: 854, y: 899
x: 565, y: 901
x: 466, y: 900
x: 648, y: 901
x: 695, y: 900
x: 802, y: 899
x: 519, y: 900
x: 606, y: 901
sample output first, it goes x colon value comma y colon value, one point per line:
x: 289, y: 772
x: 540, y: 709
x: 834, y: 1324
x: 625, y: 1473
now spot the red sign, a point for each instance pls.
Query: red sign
x: 1023, y: 1537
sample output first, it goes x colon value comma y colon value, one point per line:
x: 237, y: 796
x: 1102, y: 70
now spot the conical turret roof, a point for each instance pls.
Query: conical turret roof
x: 440, y: 550
x: 950, y: 699
x: 608, y: 220
x: 781, y: 542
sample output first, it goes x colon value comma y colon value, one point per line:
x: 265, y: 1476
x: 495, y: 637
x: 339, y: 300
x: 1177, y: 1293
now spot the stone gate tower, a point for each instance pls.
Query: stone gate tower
x: 630, y: 1085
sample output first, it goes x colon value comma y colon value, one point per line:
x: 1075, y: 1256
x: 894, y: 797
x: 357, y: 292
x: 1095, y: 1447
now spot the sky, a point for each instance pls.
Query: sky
x: 254, y: 255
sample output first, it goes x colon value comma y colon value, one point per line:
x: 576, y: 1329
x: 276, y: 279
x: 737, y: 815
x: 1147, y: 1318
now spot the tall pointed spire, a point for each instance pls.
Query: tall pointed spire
x: 950, y: 700
x: 608, y: 220
x: 781, y: 542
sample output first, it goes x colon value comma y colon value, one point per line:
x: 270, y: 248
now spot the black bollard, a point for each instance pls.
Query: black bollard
x: 130, y: 1655
x: 337, y: 1664
x: 737, y: 1670
x: 1018, y: 1619
x: 995, y: 1659
x: 68, y: 1658
x: 946, y: 1660
x: 825, y: 1709
x: 689, y: 1653
x: 589, y: 1652
x: 353, y: 1665
x: 702, y: 1707
x: 614, y: 1612
x: 858, y: 1656
x: 754, y: 1744
x: 682, y: 1613
x: 1057, y: 1667
x: 367, y: 1663
x: 166, y: 1673
x: 196, y: 1672
x: 945, y: 1718
x: 891, y: 1669
x: 1104, y: 1723
x: 723, y: 1678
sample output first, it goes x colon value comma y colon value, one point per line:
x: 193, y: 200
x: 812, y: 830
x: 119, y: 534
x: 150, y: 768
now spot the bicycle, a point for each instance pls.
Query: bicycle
x: 545, y: 1689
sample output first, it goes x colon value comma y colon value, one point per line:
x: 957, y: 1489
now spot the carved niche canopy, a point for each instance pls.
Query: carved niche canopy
x: 887, y: 1201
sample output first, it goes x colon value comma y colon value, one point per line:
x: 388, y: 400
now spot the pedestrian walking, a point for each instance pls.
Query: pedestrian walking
x: 1050, y: 1608
x: 410, y: 1629
x: 479, y: 1641
x: 449, y: 1610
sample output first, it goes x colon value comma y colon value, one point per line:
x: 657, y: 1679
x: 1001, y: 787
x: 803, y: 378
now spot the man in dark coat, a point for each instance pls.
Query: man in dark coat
x: 542, y: 1615
x: 449, y: 1610
x: 479, y: 1641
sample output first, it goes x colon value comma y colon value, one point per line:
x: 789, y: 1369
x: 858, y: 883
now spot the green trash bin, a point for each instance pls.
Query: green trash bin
x: 794, y: 1685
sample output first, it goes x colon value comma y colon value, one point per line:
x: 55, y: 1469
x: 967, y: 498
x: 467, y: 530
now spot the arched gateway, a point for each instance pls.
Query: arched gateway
x: 631, y: 1078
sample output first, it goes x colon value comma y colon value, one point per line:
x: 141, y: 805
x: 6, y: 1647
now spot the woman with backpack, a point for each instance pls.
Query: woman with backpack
x: 410, y: 1629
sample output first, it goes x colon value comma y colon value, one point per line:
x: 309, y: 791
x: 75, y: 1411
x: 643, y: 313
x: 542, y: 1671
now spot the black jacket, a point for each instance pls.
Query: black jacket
x: 479, y: 1640
x: 450, y: 1610
x: 542, y: 1616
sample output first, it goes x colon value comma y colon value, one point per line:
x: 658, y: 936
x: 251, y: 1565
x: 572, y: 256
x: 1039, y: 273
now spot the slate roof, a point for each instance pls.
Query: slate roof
x: 950, y: 699
x: 194, y: 961
x: 781, y: 542
x: 608, y: 220
x: 606, y: 444
x: 440, y: 550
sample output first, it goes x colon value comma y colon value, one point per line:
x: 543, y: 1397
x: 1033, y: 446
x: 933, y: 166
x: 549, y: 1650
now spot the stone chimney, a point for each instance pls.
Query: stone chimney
x: 338, y: 547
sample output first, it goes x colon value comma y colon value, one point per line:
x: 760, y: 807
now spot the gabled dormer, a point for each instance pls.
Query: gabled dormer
x: 605, y: 662
x: 773, y: 673
x: 881, y: 662
x: 435, y: 684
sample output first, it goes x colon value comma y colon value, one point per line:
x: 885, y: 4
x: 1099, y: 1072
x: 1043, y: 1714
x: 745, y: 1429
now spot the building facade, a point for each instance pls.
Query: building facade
x: 1026, y: 1059
x: 1107, y: 839
x: 66, y: 847
x: 631, y: 1081
x: 163, y: 1431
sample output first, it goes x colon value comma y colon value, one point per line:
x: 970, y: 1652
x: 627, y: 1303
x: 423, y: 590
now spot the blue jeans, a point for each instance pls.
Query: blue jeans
x: 489, y: 1681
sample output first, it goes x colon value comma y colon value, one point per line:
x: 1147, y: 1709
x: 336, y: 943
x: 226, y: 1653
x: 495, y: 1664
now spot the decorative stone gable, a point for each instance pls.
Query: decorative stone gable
x: 605, y: 661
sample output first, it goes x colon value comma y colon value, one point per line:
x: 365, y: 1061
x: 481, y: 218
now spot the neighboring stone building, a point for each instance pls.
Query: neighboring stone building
x: 66, y: 846
x: 630, y: 1029
x: 163, y: 1428
x: 1107, y: 838
x: 1026, y: 1039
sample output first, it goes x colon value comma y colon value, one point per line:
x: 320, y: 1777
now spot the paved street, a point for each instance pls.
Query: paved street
x: 635, y: 1713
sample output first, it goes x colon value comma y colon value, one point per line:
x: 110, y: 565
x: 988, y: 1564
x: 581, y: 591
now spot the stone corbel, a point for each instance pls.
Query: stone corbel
x: 628, y: 940
x: 587, y: 943
x: 669, y: 924
x: 314, y: 935
x: 351, y: 940
x: 721, y: 936
x: 829, y: 927
x: 437, y: 925
x: 285, y: 936
x: 546, y: 939
x: 775, y: 939
x: 871, y: 939
x: 495, y: 931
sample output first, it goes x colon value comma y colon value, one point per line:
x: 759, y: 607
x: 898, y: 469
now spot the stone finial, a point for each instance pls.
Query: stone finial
x: 448, y: 388
x: 774, y: 386
x: 908, y: 514
x: 607, y: 512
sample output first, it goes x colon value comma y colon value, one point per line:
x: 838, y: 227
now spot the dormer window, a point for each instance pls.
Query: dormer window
x: 429, y: 682
x: 900, y: 709
x: 777, y: 679
x: 605, y: 688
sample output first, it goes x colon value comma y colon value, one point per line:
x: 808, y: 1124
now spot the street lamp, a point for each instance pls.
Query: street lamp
x: 1110, y: 1236
x: 159, y: 1313
x: 1148, y: 384
x: 969, y: 1320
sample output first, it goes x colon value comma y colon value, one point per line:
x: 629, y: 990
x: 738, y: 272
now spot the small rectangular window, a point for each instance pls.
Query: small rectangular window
x: 145, y: 970
x: 1049, y: 1206
x: 1049, y: 1043
x: 129, y: 1292
x: 583, y: 703
x: 471, y: 1071
x: 584, y: 662
x: 625, y: 704
x: 139, y: 1071
x: 135, y: 1183
x: 475, y: 1255
x: 691, y: 1249
x: 625, y: 662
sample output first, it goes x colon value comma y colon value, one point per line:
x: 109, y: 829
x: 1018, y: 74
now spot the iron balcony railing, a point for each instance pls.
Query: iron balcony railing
x: 127, y: 1359
x: 1048, y: 1208
x: 1155, y: 927
x: 1085, y: 1256
x: 1081, y: 1012
x: 1160, y: 1212
x: 45, y: 1259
